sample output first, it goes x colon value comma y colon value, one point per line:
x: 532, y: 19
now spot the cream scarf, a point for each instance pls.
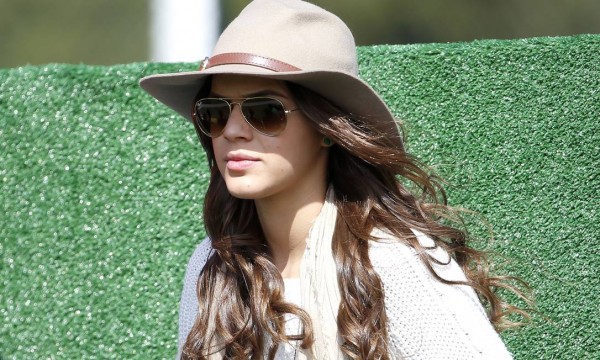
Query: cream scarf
x: 319, y: 285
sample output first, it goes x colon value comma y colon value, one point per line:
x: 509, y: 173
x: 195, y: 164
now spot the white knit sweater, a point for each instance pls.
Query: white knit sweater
x: 426, y: 318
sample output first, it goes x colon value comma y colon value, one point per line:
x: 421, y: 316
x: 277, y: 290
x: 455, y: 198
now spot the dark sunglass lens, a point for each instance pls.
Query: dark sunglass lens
x: 212, y: 115
x: 265, y: 115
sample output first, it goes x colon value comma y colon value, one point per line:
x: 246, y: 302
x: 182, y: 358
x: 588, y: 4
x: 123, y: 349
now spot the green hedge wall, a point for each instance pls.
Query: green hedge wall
x: 101, y: 190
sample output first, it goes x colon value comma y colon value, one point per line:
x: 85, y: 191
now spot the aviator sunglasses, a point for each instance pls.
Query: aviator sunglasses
x: 265, y: 114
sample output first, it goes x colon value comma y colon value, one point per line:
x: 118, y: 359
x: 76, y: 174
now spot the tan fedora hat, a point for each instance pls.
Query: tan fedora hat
x: 288, y: 40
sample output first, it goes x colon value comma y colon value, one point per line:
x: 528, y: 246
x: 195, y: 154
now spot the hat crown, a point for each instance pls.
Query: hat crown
x: 285, y: 40
x: 293, y: 31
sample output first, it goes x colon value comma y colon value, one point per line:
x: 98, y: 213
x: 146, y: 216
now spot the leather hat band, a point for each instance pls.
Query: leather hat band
x: 247, y: 59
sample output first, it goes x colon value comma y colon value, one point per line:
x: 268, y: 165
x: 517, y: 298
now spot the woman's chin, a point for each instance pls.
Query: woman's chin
x: 243, y: 195
x: 246, y: 191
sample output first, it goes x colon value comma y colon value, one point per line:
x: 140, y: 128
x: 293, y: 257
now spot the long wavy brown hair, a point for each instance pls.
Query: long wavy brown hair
x: 241, y: 304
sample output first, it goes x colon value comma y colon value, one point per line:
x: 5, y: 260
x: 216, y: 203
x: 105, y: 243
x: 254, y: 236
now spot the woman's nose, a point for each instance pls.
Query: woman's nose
x: 237, y: 127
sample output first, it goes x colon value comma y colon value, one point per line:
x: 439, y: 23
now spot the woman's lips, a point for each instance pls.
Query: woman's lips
x: 239, y: 161
x: 240, y: 164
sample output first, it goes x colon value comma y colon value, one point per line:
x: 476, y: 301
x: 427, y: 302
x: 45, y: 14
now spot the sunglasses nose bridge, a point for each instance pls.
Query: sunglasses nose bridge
x: 232, y: 107
x: 234, y: 127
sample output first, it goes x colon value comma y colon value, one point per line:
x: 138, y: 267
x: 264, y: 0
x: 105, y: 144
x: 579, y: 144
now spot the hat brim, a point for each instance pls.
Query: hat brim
x: 178, y: 90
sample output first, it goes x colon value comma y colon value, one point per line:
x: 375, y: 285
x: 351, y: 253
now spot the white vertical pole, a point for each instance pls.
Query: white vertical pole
x: 183, y: 30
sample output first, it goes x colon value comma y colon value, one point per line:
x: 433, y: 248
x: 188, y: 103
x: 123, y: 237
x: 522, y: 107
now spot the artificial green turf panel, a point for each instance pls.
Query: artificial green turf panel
x: 101, y: 190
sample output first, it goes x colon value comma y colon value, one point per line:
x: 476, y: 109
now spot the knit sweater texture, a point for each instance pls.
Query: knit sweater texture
x: 427, y: 319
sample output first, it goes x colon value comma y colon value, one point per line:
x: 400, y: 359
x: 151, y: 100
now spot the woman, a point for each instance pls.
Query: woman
x: 320, y: 245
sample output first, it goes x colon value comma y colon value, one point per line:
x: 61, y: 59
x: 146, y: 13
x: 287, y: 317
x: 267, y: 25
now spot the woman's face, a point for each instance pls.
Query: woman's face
x: 256, y: 166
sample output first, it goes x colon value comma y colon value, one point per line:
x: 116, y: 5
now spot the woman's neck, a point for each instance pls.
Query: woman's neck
x: 286, y: 220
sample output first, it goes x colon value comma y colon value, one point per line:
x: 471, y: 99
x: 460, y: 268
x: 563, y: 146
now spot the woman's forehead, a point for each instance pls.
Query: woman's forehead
x: 234, y: 85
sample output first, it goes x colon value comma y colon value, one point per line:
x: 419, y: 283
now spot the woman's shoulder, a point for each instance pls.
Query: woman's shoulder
x: 387, y: 251
x: 194, y: 267
x: 428, y: 318
x: 200, y: 256
x: 188, y: 305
